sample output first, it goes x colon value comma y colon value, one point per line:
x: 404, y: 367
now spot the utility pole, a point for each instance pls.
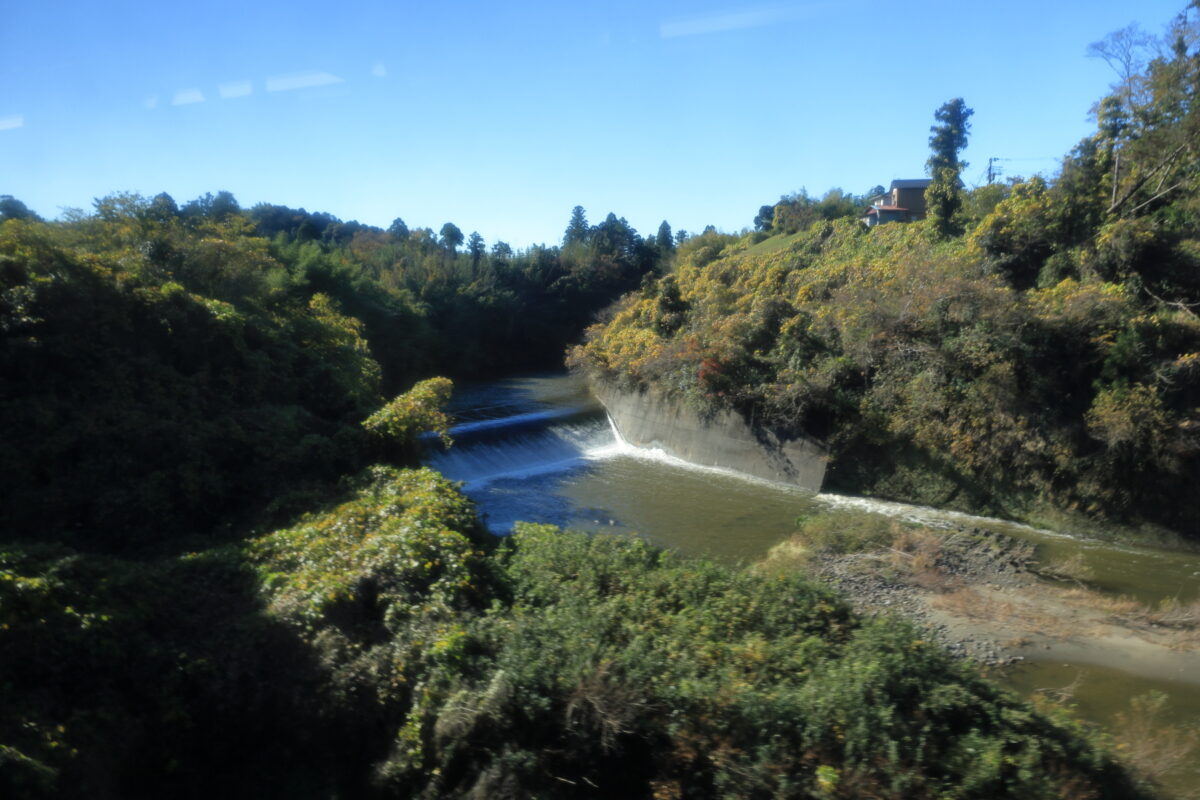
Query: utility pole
x: 993, y: 171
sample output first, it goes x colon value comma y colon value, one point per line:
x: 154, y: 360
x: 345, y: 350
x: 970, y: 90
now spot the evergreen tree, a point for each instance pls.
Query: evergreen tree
x: 12, y: 208
x: 398, y: 229
x: 577, y: 230
x: 762, y: 220
x: 476, y: 248
x: 664, y: 239
x: 219, y: 208
x: 615, y: 237
x: 943, y: 199
x: 163, y: 207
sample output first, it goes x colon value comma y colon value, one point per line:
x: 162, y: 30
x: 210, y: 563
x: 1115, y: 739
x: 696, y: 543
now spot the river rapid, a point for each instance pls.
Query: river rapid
x: 541, y: 449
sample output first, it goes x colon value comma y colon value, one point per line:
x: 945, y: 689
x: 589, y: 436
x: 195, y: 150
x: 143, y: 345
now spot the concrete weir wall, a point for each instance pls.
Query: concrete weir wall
x: 649, y: 419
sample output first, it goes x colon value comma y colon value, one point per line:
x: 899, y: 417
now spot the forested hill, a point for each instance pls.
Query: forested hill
x: 221, y: 576
x: 167, y: 366
x: 1031, y: 347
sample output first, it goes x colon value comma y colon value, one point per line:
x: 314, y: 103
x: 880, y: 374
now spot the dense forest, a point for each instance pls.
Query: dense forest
x: 231, y: 354
x: 223, y: 573
x: 1032, y: 349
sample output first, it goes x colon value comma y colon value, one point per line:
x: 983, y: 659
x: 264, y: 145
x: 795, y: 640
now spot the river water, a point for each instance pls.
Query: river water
x: 541, y: 449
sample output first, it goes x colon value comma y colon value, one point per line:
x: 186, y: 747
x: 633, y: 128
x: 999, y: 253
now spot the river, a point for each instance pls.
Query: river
x: 541, y: 449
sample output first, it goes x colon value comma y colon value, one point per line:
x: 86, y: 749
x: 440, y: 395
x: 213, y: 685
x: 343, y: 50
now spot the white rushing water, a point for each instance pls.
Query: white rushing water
x: 520, y: 448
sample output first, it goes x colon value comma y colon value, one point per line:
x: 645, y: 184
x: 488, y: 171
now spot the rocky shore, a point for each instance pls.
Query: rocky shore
x: 880, y: 580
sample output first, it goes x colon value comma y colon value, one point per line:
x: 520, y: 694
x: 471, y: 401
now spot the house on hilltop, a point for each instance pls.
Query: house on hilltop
x: 904, y: 202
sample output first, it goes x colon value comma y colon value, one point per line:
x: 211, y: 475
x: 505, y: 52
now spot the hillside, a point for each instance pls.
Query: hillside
x: 1031, y: 349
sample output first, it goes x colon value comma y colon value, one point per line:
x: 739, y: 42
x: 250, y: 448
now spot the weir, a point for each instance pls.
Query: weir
x: 523, y: 445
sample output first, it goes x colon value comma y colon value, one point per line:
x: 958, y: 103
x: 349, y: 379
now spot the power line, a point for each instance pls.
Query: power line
x: 994, y: 171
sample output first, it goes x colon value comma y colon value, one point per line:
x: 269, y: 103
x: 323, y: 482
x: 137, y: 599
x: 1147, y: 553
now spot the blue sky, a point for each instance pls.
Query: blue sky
x: 500, y: 117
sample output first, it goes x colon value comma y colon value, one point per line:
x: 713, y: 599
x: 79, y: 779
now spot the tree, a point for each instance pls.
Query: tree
x: 218, y: 208
x: 163, y: 208
x: 835, y: 204
x: 762, y: 220
x: 1127, y: 52
x: 398, y: 230
x: 502, y: 251
x: 943, y: 199
x: 476, y: 248
x: 577, y: 229
x: 615, y: 237
x: 12, y: 208
x: 664, y: 240
x: 1150, y: 123
x: 452, y: 237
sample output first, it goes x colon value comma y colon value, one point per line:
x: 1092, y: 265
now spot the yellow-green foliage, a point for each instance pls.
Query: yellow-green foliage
x: 416, y: 411
x: 399, y: 544
x: 929, y: 373
x: 845, y: 532
x: 1042, y: 357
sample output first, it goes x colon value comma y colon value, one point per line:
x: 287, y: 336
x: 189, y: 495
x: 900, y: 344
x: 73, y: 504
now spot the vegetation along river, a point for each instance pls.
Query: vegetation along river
x: 541, y: 449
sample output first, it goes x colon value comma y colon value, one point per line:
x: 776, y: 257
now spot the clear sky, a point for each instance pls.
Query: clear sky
x: 502, y: 116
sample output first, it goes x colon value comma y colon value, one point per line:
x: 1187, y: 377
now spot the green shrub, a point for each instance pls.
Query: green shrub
x: 616, y: 669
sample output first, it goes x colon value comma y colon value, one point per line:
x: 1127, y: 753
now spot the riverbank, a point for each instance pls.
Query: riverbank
x: 1029, y: 618
x: 993, y: 599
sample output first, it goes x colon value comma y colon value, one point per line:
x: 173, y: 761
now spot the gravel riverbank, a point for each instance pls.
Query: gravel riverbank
x: 986, y: 598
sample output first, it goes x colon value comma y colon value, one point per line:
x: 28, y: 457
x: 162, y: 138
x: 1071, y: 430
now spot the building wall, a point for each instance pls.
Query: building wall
x: 912, y: 199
